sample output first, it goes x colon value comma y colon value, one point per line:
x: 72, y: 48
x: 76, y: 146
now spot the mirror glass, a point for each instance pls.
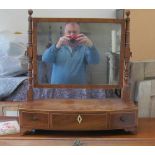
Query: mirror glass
x: 78, y: 53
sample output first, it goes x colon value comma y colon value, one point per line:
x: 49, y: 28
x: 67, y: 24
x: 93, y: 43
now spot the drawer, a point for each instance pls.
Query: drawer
x: 122, y: 119
x: 79, y: 121
x: 34, y: 120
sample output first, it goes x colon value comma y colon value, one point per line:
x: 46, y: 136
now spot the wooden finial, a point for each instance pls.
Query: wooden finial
x: 30, y: 12
x: 127, y: 13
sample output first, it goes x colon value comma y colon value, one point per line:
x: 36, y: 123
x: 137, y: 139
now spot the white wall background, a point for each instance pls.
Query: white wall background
x: 16, y: 19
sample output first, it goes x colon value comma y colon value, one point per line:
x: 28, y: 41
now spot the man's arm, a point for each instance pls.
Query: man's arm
x: 49, y: 56
x: 92, y: 55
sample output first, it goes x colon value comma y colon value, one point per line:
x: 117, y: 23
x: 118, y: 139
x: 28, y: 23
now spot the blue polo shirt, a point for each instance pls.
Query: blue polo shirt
x: 69, y: 64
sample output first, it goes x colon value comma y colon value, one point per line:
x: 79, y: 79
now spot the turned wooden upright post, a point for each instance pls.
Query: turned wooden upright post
x: 30, y: 55
x: 126, y: 85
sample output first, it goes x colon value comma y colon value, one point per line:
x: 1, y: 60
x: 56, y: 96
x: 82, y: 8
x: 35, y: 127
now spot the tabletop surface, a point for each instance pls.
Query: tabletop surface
x: 145, y: 136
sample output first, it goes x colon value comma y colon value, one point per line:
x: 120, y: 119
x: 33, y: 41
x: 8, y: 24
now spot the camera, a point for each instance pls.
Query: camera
x: 73, y: 38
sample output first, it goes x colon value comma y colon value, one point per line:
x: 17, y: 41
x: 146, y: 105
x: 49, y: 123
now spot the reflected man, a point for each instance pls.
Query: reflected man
x: 70, y: 56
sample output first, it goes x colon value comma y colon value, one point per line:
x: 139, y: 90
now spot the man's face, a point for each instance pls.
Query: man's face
x: 72, y: 28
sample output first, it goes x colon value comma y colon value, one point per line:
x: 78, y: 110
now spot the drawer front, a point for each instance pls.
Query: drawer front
x: 35, y: 120
x: 79, y: 121
x: 122, y: 119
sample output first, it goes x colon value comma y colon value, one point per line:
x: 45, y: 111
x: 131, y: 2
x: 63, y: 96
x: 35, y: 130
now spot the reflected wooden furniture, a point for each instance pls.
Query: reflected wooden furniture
x: 145, y: 136
x: 79, y: 115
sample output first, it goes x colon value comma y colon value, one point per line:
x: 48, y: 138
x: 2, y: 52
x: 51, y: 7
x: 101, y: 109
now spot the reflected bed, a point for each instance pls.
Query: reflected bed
x: 20, y: 94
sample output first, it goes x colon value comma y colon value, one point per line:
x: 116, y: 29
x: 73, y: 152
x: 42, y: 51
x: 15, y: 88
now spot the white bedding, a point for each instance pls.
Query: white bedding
x: 8, y: 85
x: 13, y: 66
x: 12, y: 44
x: 13, y: 61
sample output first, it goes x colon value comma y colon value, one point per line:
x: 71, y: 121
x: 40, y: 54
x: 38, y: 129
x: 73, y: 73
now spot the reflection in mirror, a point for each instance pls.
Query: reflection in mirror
x: 78, y: 53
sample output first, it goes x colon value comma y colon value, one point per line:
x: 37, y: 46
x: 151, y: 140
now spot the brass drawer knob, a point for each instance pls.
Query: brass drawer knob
x: 79, y: 119
x: 122, y: 118
x: 77, y: 143
x: 34, y: 118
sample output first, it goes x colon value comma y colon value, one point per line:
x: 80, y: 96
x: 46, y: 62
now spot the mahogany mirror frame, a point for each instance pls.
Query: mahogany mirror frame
x: 124, y: 53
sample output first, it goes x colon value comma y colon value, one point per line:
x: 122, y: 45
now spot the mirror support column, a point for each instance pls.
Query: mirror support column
x: 127, y: 54
x: 30, y: 55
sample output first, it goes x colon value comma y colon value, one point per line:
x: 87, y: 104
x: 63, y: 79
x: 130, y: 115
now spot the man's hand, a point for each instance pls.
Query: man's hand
x: 62, y: 41
x: 83, y: 39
